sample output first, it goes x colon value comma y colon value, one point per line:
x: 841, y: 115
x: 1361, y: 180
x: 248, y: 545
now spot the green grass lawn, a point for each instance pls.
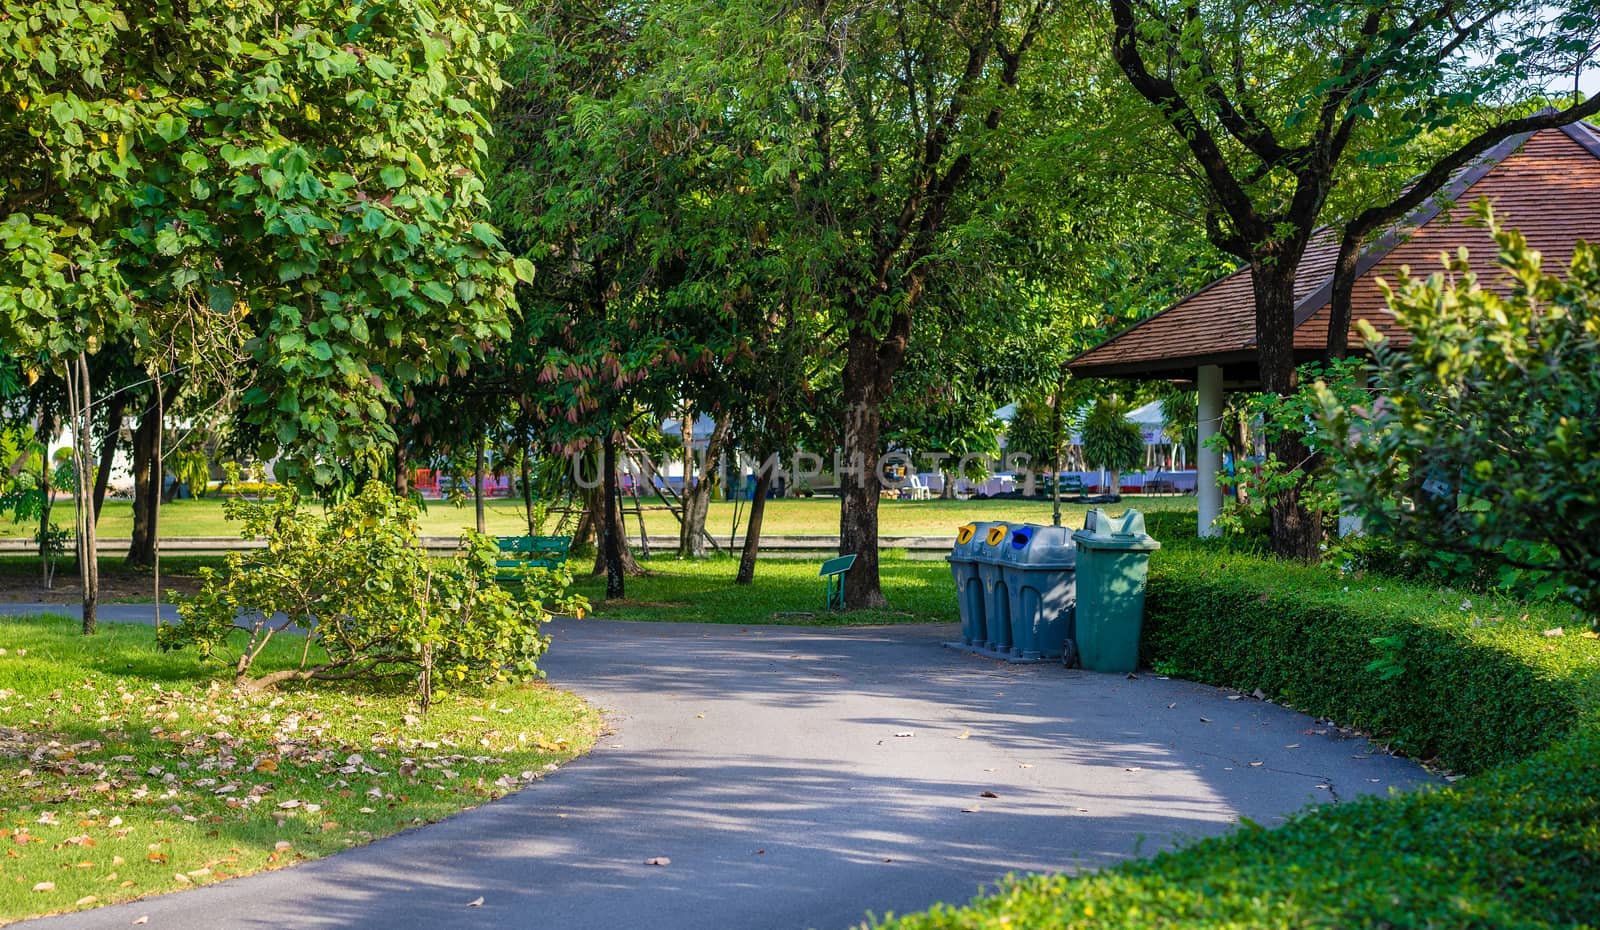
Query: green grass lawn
x: 789, y: 517
x: 126, y: 772
x: 783, y: 591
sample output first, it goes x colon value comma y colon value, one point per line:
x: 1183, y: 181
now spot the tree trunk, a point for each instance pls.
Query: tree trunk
x: 527, y: 492
x: 108, y: 451
x: 48, y: 424
x: 858, y: 485
x: 948, y: 491
x: 79, y: 395
x: 479, y: 455
x: 697, y: 501
x: 146, y: 488
x: 402, y: 469
x: 611, y: 525
x: 1296, y: 531
x: 752, y: 531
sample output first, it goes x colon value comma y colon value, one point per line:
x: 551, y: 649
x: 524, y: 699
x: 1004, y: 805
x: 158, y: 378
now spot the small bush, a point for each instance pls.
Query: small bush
x: 369, y: 600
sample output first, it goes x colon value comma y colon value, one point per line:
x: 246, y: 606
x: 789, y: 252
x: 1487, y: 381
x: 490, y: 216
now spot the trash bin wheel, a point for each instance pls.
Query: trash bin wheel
x: 1069, y: 654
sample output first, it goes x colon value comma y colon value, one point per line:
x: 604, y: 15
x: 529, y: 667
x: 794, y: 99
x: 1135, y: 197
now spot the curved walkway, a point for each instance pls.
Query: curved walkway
x: 798, y: 777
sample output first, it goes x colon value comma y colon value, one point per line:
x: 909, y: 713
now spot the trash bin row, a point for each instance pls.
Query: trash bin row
x: 1031, y: 593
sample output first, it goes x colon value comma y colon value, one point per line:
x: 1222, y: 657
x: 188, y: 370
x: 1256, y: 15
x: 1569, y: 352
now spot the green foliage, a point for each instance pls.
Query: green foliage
x: 1033, y: 432
x: 1110, y: 439
x: 358, y: 585
x: 286, y: 190
x: 1477, y: 686
x: 1279, y: 416
x: 1482, y: 446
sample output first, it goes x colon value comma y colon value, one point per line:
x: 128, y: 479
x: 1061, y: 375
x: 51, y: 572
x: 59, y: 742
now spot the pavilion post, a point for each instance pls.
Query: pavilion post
x: 1208, y: 461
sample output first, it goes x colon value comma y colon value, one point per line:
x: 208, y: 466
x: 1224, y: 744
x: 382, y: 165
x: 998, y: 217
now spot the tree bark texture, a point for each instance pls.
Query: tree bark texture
x: 697, y: 500
x: 868, y: 376
x: 752, y: 530
x: 479, y: 454
x: 1296, y: 531
x: 108, y: 451
x: 147, y: 475
x: 611, y: 543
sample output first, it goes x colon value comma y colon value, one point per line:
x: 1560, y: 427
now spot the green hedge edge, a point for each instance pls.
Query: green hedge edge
x: 1474, y: 683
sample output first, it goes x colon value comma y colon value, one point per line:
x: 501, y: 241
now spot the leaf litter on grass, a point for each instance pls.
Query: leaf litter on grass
x: 124, y: 772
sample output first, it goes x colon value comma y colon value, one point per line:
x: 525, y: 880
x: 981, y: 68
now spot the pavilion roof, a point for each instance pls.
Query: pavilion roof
x: 1545, y: 184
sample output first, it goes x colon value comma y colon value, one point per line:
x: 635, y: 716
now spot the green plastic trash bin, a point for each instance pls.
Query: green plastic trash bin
x: 1039, y: 566
x: 996, y: 599
x: 1113, y: 559
x: 969, y: 587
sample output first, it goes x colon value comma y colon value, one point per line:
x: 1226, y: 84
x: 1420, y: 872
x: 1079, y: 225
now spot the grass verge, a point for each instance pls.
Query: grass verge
x: 127, y: 772
x: 1509, y: 692
x: 783, y: 591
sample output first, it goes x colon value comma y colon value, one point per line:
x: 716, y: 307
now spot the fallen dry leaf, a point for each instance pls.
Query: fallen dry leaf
x: 45, y: 886
x: 658, y: 860
x: 963, y: 734
x: 988, y: 794
x: 475, y: 902
x: 141, y: 919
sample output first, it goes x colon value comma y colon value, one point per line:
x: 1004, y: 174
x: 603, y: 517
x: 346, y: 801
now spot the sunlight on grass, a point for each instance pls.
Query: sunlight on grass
x: 783, y: 591
x: 126, y: 772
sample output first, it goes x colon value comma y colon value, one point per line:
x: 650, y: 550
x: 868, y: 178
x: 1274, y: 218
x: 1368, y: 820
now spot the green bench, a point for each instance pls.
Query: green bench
x: 833, y: 570
x: 1071, y: 486
x: 525, y: 552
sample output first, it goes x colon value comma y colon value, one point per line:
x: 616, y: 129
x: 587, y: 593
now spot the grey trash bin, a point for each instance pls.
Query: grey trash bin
x: 996, y: 602
x: 969, y: 586
x: 1113, y: 560
x: 1039, y: 563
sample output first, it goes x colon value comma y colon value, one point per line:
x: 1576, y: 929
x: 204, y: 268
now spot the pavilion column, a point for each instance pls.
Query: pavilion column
x: 1208, y: 461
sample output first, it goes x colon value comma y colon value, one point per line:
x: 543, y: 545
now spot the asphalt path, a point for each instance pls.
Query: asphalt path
x: 797, y: 778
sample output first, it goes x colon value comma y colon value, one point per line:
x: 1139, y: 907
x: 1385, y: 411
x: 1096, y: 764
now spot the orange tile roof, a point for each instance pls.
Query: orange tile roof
x: 1544, y: 184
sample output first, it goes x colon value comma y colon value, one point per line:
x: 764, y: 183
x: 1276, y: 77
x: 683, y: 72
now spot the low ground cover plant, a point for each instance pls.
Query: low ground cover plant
x: 1504, y: 692
x: 127, y: 771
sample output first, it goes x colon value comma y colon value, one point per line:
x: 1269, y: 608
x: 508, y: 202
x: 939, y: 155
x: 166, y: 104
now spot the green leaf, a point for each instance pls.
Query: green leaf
x: 393, y: 176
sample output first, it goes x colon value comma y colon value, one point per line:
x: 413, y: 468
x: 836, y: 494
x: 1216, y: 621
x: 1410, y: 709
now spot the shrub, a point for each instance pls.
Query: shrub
x: 1483, y: 445
x: 369, y: 600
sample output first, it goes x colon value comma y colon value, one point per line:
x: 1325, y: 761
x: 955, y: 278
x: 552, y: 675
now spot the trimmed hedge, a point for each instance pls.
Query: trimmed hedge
x: 1471, y: 681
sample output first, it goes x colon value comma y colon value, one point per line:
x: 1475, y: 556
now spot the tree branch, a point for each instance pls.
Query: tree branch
x: 1357, y: 230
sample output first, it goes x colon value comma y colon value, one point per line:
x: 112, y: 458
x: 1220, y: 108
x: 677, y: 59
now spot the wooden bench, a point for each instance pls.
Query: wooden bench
x: 833, y: 570
x: 525, y: 552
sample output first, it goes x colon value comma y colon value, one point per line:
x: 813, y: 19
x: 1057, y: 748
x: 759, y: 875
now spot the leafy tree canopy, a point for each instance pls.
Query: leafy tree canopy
x: 292, y: 191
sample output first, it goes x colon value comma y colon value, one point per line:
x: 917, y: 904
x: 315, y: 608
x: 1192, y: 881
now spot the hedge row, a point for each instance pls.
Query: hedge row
x: 1474, y: 682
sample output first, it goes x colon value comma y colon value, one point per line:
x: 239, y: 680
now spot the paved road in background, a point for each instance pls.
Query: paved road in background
x: 800, y: 777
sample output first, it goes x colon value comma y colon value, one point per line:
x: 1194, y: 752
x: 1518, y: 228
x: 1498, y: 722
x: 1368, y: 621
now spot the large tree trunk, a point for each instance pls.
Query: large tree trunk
x: 1296, y: 531
x: 752, y: 531
x: 858, y: 485
x: 108, y: 452
x: 697, y: 501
